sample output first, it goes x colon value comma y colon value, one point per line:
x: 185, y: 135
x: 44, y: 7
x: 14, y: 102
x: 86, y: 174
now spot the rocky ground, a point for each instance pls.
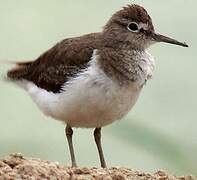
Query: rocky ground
x: 18, y: 167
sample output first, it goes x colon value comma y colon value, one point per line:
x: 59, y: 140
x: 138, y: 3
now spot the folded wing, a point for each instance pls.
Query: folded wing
x: 56, y: 66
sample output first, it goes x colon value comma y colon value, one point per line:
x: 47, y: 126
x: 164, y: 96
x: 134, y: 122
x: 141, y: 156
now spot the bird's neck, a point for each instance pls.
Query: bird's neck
x: 126, y: 66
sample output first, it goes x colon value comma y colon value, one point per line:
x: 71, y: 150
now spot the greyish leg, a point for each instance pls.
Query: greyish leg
x: 97, y: 137
x: 69, y: 133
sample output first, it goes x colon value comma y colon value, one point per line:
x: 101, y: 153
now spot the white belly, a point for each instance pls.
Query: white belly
x: 96, y: 104
x: 89, y: 100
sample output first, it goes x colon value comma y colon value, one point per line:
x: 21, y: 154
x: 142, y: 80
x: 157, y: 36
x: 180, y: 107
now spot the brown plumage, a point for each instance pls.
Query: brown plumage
x: 58, y: 64
x: 70, y: 56
x: 134, y: 13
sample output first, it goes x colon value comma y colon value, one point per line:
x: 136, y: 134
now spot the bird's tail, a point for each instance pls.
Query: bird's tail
x: 7, y: 62
x: 18, y: 71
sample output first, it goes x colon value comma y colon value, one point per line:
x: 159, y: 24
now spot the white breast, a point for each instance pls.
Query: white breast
x: 89, y: 100
x: 142, y: 63
x: 147, y: 64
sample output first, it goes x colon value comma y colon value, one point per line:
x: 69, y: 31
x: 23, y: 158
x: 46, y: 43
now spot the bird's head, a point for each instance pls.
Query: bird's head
x: 133, y: 25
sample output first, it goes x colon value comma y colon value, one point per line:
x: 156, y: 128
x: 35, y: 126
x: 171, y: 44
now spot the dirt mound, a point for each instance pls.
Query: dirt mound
x: 18, y: 167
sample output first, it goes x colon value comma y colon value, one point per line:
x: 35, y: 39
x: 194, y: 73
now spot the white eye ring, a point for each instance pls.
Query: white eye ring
x: 133, y: 27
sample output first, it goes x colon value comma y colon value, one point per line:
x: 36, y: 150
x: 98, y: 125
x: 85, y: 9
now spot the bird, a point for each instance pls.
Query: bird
x: 95, y: 79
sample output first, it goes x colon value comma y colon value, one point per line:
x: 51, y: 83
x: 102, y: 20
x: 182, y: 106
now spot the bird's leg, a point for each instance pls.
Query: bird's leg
x: 69, y: 133
x: 97, y: 137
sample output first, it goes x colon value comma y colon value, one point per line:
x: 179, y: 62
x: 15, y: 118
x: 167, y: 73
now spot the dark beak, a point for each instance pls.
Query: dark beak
x: 160, y: 38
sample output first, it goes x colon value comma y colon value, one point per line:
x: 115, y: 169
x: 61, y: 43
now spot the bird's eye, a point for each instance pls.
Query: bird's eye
x: 133, y: 26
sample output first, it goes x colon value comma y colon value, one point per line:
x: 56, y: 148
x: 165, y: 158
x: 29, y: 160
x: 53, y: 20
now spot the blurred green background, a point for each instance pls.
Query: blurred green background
x: 159, y: 133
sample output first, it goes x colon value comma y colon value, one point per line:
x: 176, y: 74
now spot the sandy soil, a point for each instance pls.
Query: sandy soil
x: 18, y: 167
